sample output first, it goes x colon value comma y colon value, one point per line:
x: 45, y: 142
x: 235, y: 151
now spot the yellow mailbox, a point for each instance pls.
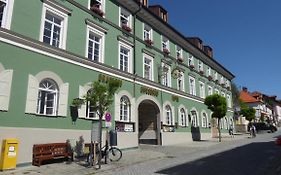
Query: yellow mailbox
x: 9, y: 154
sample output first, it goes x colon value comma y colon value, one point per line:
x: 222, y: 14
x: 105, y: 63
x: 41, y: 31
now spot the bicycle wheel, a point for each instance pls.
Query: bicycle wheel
x: 114, y: 154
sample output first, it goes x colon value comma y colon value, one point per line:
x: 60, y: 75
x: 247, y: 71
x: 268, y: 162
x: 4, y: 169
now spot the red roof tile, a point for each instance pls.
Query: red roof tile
x: 247, y: 98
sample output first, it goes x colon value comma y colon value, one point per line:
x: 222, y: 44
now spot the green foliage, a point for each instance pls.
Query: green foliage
x: 217, y: 104
x: 247, y: 112
x: 77, y: 102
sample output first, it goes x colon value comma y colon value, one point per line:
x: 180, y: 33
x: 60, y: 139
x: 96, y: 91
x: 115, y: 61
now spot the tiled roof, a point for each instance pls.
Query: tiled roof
x: 247, y: 98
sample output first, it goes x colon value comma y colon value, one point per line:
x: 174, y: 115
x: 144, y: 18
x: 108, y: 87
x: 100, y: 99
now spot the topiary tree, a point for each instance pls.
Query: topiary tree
x: 100, y: 98
x: 217, y: 104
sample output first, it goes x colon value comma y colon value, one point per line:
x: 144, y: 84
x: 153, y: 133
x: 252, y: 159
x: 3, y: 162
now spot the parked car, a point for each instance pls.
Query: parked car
x: 265, y: 127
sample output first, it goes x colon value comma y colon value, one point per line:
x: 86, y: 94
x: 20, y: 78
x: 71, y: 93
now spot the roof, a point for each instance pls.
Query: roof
x: 246, y: 97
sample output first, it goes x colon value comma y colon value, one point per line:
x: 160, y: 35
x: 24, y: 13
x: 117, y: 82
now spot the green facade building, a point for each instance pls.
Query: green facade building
x: 51, y: 51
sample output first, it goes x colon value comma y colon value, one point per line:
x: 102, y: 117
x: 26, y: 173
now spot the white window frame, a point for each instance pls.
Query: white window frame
x: 190, y: 60
x: 59, y: 14
x: 195, y: 122
x: 200, y: 65
x: 202, y: 89
x: 101, y: 35
x: 165, y: 41
x: 129, y: 48
x: 182, y: 119
x: 89, y: 111
x: 169, y: 115
x: 222, y: 94
x: 123, y: 12
x: 102, y: 5
x: 149, y: 31
x: 179, y: 52
x: 228, y: 101
x: 7, y: 14
x: 122, y: 110
x: 222, y: 80
x: 204, y: 125
x: 145, y: 56
x: 166, y: 78
x: 216, y: 75
x: 217, y: 91
x: 192, y: 88
x: 209, y: 71
x: 180, y: 82
x: 210, y: 90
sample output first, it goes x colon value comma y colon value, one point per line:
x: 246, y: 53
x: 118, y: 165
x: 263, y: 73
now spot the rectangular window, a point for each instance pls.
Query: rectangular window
x: 200, y: 65
x: 180, y: 81
x: 216, y: 75
x: 148, y: 67
x: 97, y: 6
x: 192, y: 87
x: 210, y: 90
x: 125, y: 20
x: 166, y: 80
x: 147, y: 33
x: 190, y: 60
x: 95, y: 44
x: 202, y: 89
x: 228, y: 101
x: 2, y: 10
x: 53, y: 27
x: 209, y: 71
x: 125, y: 57
x: 179, y: 52
x: 217, y: 91
x: 6, y: 10
x: 165, y: 44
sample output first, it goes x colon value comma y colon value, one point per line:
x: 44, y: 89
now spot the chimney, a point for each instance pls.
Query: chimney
x: 208, y: 50
x: 159, y: 11
x: 245, y: 89
x: 196, y: 41
x: 143, y: 2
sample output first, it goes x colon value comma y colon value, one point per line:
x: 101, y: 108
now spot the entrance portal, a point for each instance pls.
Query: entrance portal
x: 149, y: 123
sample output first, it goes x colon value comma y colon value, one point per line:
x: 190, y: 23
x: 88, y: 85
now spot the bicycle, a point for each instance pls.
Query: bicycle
x: 113, y: 153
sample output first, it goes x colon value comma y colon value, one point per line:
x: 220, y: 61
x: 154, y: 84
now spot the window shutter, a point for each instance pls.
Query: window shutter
x: 32, y: 95
x: 5, y: 89
x: 82, y: 109
x: 63, y: 97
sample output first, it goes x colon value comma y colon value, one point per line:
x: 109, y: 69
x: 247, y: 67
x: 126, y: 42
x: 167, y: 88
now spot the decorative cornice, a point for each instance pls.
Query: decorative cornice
x: 148, y: 52
x: 58, y: 6
x: 96, y: 25
x: 125, y: 40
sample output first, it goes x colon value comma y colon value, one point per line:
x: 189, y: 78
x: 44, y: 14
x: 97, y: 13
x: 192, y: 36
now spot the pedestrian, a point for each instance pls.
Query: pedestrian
x: 253, y: 131
x: 230, y: 130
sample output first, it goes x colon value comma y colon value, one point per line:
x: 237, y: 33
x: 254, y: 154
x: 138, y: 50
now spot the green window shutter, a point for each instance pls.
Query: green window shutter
x: 82, y: 109
x: 63, y: 97
x: 32, y: 95
x: 5, y: 89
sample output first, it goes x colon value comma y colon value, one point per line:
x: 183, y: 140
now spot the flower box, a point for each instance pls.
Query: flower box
x: 201, y: 72
x: 97, y: 10
x: 210, y: 77
x: 180, y: 59
x: 148, y: 41
x: 191, y: 66
x: 126, y: 27
x: 166, y: 51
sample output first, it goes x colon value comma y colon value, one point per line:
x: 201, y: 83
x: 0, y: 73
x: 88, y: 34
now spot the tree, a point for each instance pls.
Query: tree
x: 100, y: 97
x: 217, y: 104
x: 247, y: 112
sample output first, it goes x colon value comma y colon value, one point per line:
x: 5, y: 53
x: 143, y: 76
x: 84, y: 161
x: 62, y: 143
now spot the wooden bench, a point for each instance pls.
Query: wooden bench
x: 51, y: 151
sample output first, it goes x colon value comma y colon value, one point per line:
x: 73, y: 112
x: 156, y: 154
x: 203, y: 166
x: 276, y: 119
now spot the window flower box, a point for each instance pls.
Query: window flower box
x: 201, y: 72
x: 180, y: 59
x: 97, y: 10
x: 148, y: 41
x: 210, y: 77
x: 166, y: 51
x: 191, y: 66
x: 126, y: 27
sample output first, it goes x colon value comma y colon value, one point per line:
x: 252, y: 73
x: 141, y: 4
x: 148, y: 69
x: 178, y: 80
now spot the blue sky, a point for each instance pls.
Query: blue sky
x: 244, y: 34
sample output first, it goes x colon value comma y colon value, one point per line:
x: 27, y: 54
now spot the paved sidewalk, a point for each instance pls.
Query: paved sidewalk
x: 143, y: 154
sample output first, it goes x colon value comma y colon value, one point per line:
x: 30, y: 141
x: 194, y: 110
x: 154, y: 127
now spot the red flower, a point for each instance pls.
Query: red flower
x: 97, y: 10
x: 166, y: 51
x: 201, y: 72
x: 149, y: 41
x: 210, y: 77
x: 191, y: 66
x: 126, y: 27
x: 180, y: 59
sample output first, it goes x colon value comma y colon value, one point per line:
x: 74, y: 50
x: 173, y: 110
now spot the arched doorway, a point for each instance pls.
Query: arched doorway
x: 149, y: 123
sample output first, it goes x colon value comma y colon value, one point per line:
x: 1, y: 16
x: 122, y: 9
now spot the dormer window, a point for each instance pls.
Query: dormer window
x: 125, y: 20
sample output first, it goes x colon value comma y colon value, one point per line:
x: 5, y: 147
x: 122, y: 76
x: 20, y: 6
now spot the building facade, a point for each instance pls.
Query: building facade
x: 51, y: 51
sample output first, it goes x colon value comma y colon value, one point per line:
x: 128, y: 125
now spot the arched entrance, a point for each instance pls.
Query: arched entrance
x: 149, y: 123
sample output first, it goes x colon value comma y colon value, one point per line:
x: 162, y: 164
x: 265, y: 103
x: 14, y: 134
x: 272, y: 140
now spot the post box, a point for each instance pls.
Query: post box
x: 9, y: 154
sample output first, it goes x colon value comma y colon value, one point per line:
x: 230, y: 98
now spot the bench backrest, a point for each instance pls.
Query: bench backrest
x: 52, y: 149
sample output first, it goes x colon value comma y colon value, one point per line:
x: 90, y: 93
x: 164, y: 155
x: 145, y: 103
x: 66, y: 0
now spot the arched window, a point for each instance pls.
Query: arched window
x: 204, y: 120
x: 47, y: 97
x: 125, y: 108
x: 194, y: 119
x: 182, y: 116
x: 90, y: 111
x: 169, y: 117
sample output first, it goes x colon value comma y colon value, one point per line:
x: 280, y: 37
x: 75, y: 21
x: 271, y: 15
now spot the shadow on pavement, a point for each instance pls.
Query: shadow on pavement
x: 261, y: 158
